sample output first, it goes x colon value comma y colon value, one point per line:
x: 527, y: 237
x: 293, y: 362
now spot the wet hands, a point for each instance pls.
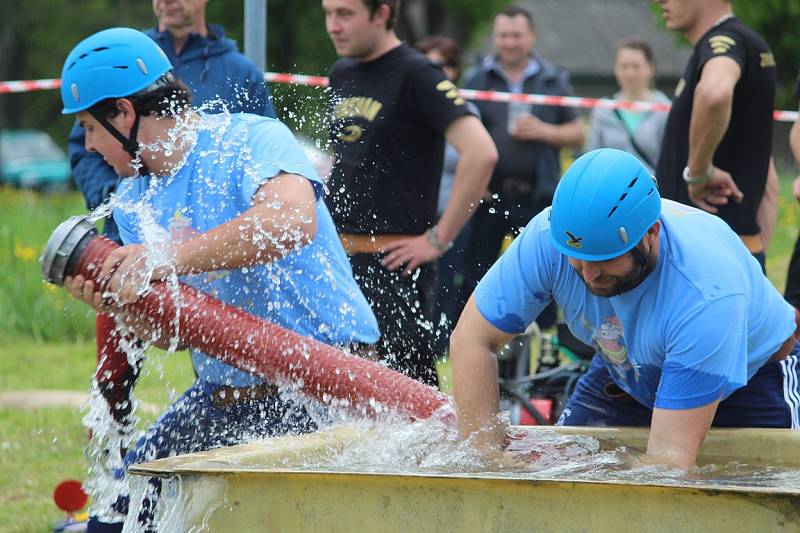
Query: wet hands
x: 409, y: 254
x: 127, y: 272
x: 125, y: 275
x: 715, y: 192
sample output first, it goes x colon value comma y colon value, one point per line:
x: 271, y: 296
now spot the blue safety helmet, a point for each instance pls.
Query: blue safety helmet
x: 603, y: 206
x: 112, y: 63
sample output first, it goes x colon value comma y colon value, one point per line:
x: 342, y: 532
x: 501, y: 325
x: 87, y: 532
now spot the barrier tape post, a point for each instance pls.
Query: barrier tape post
x: 486, y: 96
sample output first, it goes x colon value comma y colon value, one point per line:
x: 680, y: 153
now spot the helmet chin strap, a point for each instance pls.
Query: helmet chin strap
x: 130, y: 144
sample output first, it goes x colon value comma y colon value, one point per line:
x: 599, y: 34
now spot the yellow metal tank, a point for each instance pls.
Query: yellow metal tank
x: 265, y: 486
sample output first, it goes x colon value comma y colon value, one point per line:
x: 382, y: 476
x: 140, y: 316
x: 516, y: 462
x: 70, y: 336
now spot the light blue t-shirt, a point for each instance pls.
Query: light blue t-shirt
x: 695, y: 330
x: 310, y: 291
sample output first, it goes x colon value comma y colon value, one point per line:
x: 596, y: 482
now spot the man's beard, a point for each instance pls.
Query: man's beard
x: 623, y: 283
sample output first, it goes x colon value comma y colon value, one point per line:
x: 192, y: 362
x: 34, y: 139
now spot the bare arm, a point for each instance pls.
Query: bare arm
x: 711, y: 114
x: 767, y: 214
x: 282, y: 218
x: 676, y: 435
x: 711, y: 111
x: 477, y: 398
x: 477, y: 156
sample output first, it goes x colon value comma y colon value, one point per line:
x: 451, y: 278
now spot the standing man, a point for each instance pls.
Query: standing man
x: 391, y: 111
x: 218, y: 75
x: 529, y: 138
x: 682, y: 342
x: 718, y: 138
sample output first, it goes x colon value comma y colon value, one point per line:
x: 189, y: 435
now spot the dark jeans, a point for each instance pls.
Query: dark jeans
x: 771, y: 398
x: 451, y: 296
x: 193, y: 424
x: 792, y: 292
x: 403, y: 307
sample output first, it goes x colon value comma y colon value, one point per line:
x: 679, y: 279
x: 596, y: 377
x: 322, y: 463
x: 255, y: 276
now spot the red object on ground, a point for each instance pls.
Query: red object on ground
x: 69, y: 496
x: 545, y: 408
x: 274, y: 353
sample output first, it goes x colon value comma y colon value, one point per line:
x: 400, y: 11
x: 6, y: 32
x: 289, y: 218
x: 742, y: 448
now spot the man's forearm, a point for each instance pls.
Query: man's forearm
x: 469, y: 184
x: 477, y: 156
x: 271, y: 229
x: 476, y: 393
x: 711, y: 115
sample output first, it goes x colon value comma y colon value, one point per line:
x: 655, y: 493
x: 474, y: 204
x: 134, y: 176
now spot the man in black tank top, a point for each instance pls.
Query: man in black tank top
x: 391, y: 110
x: 718, y: 139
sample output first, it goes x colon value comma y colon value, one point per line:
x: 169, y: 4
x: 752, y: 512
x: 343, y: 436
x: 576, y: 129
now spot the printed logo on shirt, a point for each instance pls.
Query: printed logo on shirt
x: 450, y: 91
x: 680, y: 87
x: 611, y: 341
x: 574, y: 240
x: 721, y: 44
x: 356, y: 107
x: 767, y: 60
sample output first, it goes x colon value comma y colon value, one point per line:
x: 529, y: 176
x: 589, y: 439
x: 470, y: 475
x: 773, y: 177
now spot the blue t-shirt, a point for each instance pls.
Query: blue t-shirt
x: 695, y: 330
x: 310, y: 291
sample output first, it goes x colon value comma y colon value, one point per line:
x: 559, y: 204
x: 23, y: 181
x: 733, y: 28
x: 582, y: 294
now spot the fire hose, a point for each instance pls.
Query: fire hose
x: 237, y: 338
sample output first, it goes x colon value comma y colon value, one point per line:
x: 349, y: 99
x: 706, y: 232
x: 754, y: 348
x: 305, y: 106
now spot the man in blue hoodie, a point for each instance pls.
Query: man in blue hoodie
x: 220, y: 77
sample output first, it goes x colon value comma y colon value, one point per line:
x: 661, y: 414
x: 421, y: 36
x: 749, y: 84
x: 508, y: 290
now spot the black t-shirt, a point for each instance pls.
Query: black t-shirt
x: 388, y: 119
x: 746, y: 146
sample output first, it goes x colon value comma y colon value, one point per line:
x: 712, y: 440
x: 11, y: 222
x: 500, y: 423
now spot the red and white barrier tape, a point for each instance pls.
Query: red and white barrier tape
x: 487, y: 96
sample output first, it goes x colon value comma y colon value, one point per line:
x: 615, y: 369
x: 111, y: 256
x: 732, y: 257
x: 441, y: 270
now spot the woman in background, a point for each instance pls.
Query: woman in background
x: 636, y: 132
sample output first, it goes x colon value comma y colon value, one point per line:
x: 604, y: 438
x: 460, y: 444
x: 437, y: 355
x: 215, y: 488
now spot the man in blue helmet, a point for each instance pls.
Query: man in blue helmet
x: 687, y: 330
x: 230, y: 203
x: 218, y: 76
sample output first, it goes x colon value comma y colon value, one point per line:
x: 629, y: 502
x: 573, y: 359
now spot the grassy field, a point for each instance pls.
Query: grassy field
x: 46, y: 342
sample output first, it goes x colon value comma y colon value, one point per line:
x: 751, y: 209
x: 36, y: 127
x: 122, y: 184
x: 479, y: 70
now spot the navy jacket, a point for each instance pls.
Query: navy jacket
x: 214, y: 69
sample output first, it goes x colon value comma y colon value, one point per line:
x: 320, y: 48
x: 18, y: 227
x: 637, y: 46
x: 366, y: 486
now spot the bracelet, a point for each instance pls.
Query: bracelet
x: 698, y: 180
x: 435, y: 242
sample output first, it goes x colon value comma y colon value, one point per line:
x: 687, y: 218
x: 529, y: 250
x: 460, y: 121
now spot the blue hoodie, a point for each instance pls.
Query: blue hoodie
x: 214, y: 69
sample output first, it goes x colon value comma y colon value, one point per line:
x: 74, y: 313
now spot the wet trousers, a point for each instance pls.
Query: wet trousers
x: 196, y: 423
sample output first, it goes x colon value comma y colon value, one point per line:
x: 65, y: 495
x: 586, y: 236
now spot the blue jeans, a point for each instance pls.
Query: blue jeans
x: 194, y: 423
x: 771, y: 399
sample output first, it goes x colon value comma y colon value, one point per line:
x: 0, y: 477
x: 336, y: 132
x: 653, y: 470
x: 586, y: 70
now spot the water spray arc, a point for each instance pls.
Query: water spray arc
x: 244, y: 341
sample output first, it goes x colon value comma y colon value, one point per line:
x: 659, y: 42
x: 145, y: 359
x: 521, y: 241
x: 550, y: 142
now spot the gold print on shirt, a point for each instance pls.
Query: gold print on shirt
x: 355, y: 107
x: 720, y: 44
x: 680, y: 87
x: 767, y: 60
x: 450, y: 91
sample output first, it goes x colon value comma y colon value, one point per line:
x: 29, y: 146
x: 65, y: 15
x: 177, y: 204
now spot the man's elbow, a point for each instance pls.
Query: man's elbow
x: 713, y: 98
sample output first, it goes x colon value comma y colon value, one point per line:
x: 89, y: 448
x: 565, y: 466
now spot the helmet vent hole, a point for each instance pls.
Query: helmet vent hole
x: 100, y: 49
x: 71, y: 65
x: 121, y: 67
x: 622, y: 197
x: 612, y: 211
x: 650, y: 191
x: 631, y: 184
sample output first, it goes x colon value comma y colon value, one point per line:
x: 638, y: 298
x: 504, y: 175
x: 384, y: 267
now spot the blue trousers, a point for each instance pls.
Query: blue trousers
x: 194, y: 423
x: 771, y: 399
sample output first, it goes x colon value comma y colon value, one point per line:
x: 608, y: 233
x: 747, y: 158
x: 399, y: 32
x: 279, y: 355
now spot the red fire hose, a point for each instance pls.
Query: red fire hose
x: 249, y: 343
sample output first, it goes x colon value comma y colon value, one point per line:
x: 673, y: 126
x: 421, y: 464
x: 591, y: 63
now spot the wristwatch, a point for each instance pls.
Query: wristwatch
x: 698, y: 180
x: 436, y: 243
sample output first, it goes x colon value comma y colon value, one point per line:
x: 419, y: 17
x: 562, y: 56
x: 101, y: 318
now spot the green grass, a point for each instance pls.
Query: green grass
x: 29, y: 307
x: 39, y: 448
